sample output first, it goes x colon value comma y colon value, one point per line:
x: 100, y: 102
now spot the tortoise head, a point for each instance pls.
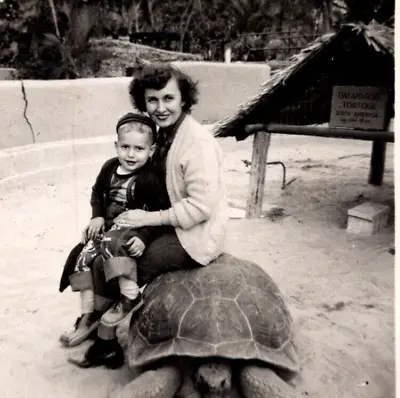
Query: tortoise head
x: 213, y: 379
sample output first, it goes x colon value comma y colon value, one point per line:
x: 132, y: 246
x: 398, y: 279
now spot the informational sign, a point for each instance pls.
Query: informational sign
x: 358, y: 107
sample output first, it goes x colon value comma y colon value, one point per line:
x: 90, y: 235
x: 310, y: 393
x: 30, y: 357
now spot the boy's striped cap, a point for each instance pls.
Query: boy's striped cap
x: 131, y: 117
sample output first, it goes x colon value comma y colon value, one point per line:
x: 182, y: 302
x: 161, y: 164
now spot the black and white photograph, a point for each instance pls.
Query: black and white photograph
x: 197, y: 199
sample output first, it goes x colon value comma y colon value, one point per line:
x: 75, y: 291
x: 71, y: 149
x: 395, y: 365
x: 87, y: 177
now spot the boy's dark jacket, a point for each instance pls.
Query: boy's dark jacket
x: 150, y: 193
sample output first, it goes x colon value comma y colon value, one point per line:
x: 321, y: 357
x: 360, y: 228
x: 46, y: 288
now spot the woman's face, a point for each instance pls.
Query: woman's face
x: 164, y: 106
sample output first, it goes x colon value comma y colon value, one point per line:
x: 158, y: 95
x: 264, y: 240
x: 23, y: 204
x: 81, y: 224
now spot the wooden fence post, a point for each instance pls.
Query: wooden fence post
x: 257, y: 174
x: 377, y: 166
x: 378, y: 154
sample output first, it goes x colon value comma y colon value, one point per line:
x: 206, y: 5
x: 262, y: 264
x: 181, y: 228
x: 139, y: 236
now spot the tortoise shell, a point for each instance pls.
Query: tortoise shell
x: 230, y: 309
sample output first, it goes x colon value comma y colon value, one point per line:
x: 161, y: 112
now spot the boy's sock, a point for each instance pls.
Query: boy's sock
x: 128, y: 287
x: 131, y: 301
x: 87, y: 301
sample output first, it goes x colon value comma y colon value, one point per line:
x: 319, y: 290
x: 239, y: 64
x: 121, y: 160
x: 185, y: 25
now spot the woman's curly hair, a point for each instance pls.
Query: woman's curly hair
x: 156, y: 76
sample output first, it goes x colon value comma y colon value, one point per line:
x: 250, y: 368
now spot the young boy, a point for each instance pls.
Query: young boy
x: 126, y: 182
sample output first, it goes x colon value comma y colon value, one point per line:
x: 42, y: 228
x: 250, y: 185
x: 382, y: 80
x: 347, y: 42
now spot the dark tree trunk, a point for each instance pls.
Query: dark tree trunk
x: 327, y: 16
x: 83, y: 19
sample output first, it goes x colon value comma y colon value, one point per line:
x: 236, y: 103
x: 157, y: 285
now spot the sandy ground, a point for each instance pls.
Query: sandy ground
x: 339, y: 287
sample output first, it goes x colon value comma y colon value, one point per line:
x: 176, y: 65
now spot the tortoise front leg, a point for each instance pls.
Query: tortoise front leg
x: 260, y: 382
x: 160, y: 383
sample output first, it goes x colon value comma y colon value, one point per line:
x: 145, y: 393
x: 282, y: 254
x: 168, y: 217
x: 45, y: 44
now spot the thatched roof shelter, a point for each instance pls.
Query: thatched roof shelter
x: 300, y: 94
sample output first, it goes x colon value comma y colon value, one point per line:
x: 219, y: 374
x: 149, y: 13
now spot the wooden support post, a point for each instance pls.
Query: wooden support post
x: 377, y: 166
x: 257, y: 174
x: 378, y: 153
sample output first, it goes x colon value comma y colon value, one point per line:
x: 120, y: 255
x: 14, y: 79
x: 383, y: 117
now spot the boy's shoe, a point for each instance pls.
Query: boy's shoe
x: 64, y: 338
x: 102, y: 352
x: 85, y: 326
x: 121, y: 310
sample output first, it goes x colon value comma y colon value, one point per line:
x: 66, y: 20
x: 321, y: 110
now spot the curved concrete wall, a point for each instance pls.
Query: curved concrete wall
x: 27, y: 164
x: 23, y: 165
x: 73, y: 109
x: 60, y: 109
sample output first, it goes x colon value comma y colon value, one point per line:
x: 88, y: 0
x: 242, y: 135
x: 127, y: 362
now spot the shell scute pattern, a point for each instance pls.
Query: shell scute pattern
x: 230, y: 308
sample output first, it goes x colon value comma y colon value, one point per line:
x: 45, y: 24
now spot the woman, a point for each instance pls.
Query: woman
x: 191, y: 160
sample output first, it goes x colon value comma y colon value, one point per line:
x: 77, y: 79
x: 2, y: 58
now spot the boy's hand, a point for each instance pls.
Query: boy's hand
x: 136, y: 246
x: 95, y: 226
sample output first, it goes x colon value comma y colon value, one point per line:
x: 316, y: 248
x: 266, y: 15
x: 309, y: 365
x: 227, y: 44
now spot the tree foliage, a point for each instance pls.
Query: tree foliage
x: 45, y: 38
x: 366, y: 10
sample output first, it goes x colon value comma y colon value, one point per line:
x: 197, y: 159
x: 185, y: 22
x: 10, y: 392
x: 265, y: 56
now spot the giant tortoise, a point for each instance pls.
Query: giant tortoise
x: 218, y: 331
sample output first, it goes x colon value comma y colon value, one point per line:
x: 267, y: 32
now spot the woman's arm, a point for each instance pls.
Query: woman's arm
x: 202, y: 178
x: 201, y: 169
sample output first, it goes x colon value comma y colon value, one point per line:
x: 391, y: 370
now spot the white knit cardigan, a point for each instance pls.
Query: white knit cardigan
x: 199, y: 210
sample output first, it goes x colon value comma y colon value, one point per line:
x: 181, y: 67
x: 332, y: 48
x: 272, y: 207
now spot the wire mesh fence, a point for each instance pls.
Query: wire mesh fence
x: 273, y: 45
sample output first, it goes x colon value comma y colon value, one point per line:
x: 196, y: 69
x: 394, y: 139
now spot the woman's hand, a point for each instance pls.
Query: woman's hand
x: 132, y: 219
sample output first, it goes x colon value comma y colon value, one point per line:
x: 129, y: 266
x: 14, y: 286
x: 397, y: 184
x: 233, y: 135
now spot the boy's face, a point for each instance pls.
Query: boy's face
x: 133, y: 149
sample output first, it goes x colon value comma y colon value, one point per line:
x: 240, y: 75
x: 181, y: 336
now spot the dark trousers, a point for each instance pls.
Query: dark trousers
x: 163, y: 255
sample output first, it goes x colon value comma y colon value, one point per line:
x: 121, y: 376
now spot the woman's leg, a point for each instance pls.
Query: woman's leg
x: 163, y: 255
